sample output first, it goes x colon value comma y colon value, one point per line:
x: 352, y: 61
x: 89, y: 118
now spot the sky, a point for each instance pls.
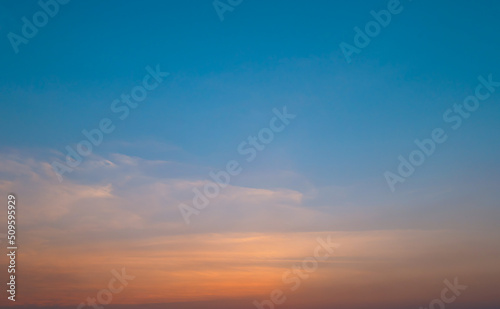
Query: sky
x: 232, y: 138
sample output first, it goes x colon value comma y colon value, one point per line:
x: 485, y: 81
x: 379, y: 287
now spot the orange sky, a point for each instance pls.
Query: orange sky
x: 73, y: 235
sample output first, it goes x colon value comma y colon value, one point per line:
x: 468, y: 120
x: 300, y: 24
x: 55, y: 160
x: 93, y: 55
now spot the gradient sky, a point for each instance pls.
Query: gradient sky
x: 321, y: 176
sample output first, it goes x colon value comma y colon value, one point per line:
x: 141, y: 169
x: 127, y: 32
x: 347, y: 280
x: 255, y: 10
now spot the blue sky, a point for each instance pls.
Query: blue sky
x: 352, y: 121
x: 263, y: 55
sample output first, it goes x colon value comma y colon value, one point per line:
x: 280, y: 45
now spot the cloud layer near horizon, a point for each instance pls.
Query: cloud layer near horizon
x: 74, y: 233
